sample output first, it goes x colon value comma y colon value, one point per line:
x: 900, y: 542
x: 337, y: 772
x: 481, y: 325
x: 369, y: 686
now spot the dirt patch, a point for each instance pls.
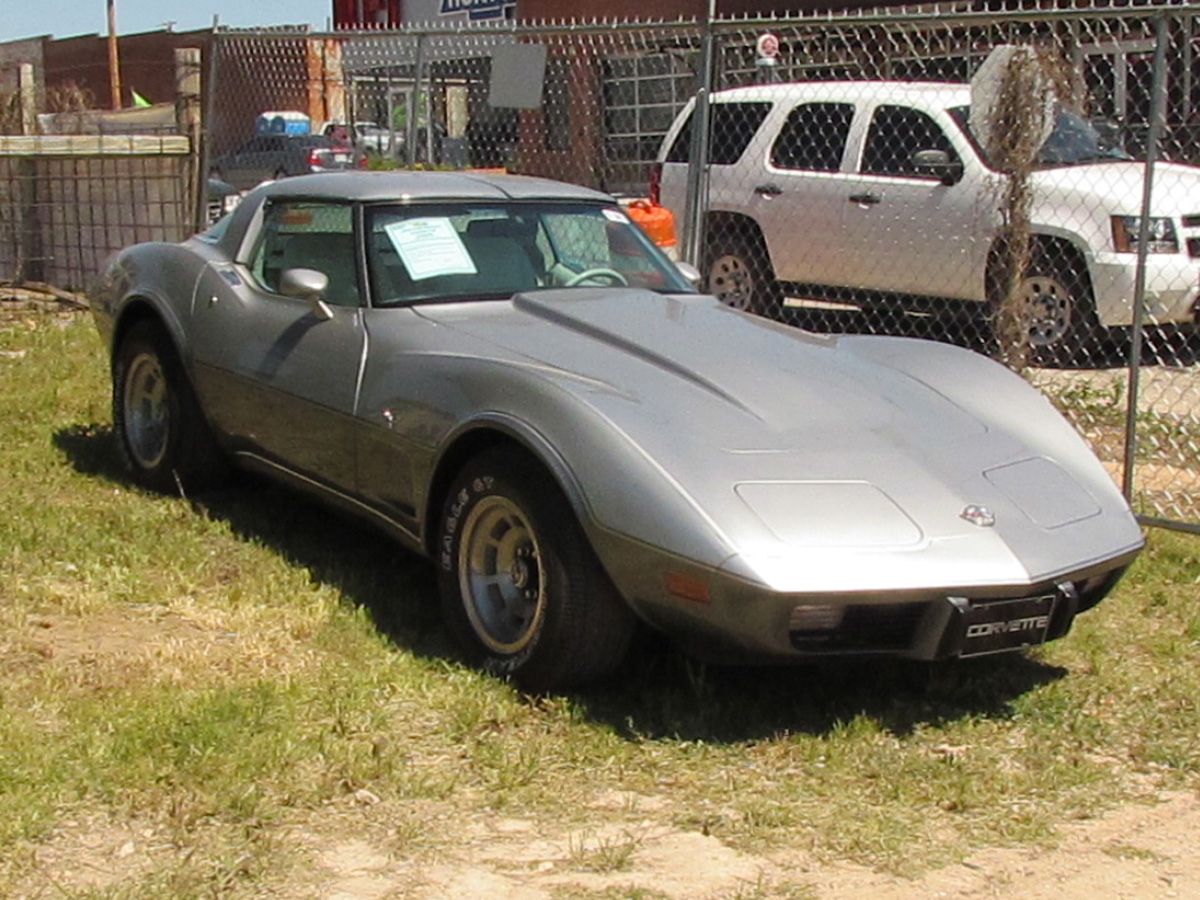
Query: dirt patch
x: 108, y: 634
x: 129, y: 645
x: 1135, y: 853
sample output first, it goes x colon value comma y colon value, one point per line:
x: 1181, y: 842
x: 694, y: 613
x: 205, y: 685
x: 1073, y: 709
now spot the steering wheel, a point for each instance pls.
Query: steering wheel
x: 612, y: 276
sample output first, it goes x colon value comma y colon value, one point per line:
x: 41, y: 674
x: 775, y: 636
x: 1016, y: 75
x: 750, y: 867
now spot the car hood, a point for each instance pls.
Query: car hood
x: 1118, y: 185
x: 740, y: 382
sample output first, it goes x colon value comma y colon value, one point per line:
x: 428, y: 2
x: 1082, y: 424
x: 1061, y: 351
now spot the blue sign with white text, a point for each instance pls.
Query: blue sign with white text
x: 476, y: 9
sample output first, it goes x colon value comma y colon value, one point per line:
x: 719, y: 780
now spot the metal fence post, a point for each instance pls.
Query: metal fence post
x: 1157, y: 113
x: 209, y: 102
x: 412, y: 130
x: 695, y: 208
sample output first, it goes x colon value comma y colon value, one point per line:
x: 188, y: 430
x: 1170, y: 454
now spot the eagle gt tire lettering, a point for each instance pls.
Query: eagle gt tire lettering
x: 522, y: 592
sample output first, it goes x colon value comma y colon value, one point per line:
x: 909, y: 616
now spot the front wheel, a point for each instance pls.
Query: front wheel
x: 522, y: 591
x: 161, y: 433
x: 1052, y: 313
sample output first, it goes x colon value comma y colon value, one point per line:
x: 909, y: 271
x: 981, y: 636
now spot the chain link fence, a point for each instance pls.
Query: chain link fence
x: 836, y: 176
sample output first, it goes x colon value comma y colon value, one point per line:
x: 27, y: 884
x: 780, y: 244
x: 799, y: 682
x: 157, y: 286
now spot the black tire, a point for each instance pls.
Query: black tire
x: 161, y: 433
x: 738, y: 272
x: 1057, y: 312
x: 522, y: 592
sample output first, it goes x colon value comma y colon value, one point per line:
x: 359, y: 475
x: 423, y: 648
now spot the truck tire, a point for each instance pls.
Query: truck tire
x: 1057, y: 314
x: 738, y: 273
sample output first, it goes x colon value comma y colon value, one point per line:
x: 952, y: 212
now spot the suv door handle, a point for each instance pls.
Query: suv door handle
x: 866, y: 199
x: 769, y: 190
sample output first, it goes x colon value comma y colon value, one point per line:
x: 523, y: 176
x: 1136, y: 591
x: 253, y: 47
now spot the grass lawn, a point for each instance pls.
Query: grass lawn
x: 226, y: 682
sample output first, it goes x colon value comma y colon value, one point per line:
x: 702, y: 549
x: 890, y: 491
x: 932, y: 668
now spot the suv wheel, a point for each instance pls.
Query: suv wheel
x: 1057, y: 318
x: 739, y: 275
x: 1053, y: 308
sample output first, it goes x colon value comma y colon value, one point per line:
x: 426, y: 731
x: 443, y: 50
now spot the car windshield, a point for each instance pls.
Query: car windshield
x: 1074, y: 140
x: 463, y: 251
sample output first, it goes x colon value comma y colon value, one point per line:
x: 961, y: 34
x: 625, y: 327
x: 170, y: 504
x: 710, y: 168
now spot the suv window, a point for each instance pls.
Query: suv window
x: 897, y: 132
x: 309, y: 236
x: 732, y: 126
x: 814, y: 137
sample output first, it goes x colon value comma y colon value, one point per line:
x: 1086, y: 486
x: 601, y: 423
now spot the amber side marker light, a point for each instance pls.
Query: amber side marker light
x: 687, y: 588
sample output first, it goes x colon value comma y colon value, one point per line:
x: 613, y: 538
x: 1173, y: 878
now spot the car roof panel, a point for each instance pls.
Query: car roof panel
x: 407, y: 186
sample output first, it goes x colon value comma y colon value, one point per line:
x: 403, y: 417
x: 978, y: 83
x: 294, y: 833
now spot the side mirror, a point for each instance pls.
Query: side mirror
x: 310, y: 285
x: 937, y: 164
x: 690, y: 272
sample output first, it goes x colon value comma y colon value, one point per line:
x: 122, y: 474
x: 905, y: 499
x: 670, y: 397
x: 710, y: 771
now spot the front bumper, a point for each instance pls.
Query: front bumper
x: 1172, y: 288
x: 725, y: 619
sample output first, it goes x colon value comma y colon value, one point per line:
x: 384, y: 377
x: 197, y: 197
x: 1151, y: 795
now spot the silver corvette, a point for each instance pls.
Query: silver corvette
x: 508, y: 376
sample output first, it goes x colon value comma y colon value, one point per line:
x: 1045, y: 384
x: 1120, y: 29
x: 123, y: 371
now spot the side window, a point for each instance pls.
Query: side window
x: 309, y: 236
x: 814, y: 137
x: 896, y: 133
x: 732, y: 126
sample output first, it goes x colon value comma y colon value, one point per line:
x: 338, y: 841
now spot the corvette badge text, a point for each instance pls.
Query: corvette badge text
x: 1029, y: 623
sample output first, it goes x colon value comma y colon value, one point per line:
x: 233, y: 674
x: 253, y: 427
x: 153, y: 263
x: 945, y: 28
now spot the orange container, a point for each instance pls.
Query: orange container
x: 656, y: 221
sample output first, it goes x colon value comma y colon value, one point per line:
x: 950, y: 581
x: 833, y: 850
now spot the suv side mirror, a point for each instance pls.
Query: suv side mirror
x: 937, y: 164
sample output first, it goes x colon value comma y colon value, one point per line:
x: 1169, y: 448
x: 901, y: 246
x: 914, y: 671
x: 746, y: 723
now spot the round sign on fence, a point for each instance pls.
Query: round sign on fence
x: 768, y: 45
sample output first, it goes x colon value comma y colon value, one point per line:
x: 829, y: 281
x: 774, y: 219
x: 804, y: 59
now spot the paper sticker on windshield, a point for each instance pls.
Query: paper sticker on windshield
x: 430, y: 247
x: 615, y: 215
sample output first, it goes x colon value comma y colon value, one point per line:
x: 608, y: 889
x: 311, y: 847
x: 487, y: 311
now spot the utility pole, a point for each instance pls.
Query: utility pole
x: 114, y: 65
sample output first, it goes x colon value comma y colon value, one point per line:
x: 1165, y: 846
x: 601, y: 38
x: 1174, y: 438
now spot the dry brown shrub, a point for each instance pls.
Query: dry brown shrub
x: 1033, y: 81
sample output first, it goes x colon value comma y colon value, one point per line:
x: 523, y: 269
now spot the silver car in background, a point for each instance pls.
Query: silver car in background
x: 507, y: 376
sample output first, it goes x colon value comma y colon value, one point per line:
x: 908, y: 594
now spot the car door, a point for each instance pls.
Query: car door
x: 904, y: 230
x: 277, y: 373
x: 408, y: 390
x: 799, y: 203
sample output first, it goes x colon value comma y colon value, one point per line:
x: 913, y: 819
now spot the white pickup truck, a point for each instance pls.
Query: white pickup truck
x: 879, y: 188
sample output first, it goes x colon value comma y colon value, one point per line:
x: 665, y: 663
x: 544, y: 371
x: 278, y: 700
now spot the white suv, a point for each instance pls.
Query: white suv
x: 879, y: 189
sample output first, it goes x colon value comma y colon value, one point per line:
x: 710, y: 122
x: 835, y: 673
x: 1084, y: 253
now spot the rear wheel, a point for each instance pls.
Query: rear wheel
x: 522, y: 591
x: 161, y: 433
x: 739, y: 274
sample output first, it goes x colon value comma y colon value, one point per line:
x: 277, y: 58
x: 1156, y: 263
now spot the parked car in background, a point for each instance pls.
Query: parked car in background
x: 880, y: 188
x: 271, y: 156
x: 510, y: 378
x: 367, y: 137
